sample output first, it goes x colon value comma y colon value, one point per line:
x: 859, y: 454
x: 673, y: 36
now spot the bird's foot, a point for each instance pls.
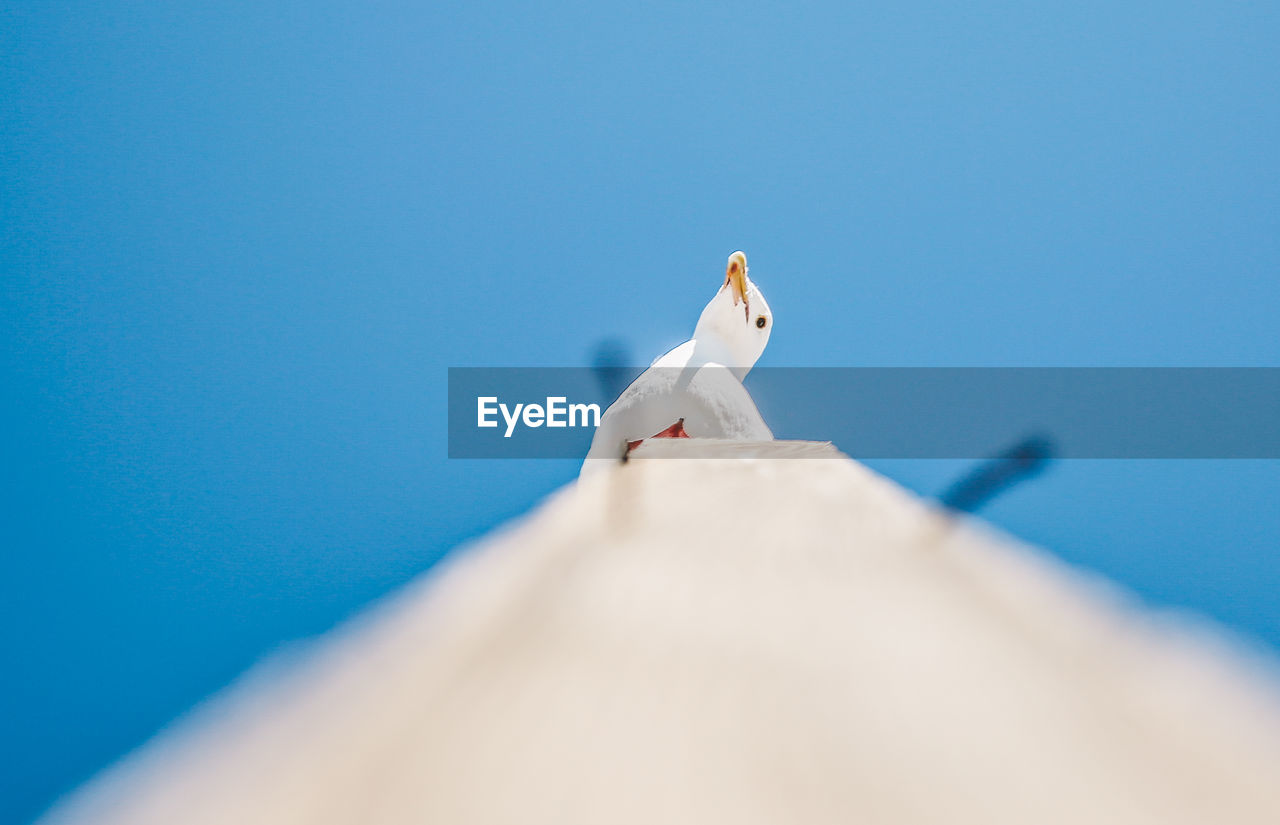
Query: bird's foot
x: 676, y: 430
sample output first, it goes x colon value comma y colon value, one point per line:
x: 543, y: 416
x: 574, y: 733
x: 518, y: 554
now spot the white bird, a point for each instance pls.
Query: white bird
x: 695, y: 390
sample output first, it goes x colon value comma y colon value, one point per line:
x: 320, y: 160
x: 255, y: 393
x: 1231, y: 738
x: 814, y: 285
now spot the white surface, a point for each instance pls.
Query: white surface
x: 738, y: 641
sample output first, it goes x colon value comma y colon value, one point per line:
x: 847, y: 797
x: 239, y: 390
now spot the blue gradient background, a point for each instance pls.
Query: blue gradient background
x: 240, y: 245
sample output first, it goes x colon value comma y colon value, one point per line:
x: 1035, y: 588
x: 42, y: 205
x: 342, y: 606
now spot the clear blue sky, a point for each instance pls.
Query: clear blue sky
x: 241, y: 244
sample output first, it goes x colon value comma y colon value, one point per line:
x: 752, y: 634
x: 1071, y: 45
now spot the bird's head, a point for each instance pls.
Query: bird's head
x: 737, y: 322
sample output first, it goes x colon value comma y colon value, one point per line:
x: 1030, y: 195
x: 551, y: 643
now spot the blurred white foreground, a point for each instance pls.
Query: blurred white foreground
x: 773, y: 640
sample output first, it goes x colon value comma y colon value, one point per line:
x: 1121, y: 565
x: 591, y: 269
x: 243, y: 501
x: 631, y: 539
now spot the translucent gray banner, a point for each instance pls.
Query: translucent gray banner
x: 1082, y: 412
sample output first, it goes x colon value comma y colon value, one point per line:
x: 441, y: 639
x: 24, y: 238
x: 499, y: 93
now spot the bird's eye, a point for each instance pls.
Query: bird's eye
x: 760, y: 322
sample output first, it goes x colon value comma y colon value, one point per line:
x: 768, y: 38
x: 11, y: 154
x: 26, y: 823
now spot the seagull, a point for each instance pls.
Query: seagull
x: 695, y: 390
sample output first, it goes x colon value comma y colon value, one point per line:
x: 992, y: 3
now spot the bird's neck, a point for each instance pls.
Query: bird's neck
x: 712, y: 349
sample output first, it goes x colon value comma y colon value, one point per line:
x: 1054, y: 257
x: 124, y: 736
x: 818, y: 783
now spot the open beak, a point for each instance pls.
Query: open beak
x: 735, y: 276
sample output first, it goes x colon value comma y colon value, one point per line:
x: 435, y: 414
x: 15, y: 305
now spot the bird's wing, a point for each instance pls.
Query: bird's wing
x: 648, y: 406
x: 709, y: 398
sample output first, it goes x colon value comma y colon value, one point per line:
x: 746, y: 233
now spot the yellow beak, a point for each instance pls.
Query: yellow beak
x: 735, y: 276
